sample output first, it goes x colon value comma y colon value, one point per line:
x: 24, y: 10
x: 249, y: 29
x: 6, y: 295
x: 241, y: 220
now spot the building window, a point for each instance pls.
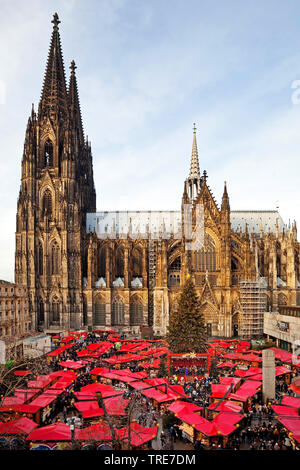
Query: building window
x: 55, y: 259
x: 102, y: 263
x: 40, y: 259
x: 99, y: 313
x: 120, y: 263
x: 41, y: 317
x: 206, y: 258
x: 48, y: 154
x: 136, y: 263
x: 47, y: 204
x: 118, y: 313
x: 55, y: 310
x: 136, y: 313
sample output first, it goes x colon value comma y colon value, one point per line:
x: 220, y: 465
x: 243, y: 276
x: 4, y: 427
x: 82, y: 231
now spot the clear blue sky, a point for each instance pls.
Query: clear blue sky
x: 148, y: 69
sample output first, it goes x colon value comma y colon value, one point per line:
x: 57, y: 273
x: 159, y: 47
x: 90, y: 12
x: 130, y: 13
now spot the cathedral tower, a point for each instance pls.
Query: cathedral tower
x: 57, y: 190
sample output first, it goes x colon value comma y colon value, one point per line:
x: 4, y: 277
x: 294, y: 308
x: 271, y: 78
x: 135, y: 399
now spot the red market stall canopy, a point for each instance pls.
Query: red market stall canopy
x: 226, y: 423
x: 75, y: 365
x: 133, y: 347
x: 42, y: 381
x: 113, y: 338
x: 251, y: 357
x: 162, y: 391
x: 156, y: 352
x: 219, y: 390
x: 90, y: 391
x: 18, y: 426
x: 178, y: 406
x: 292, y: 425
x: 124, y: 375
x: 89, y: 408
x: 43, y: 400
x: 226, y: 364
x: 61, y: 384
x: 152, y: 365
x: 233, y: 356
x: 126, y: 358
x: 13, y: 400
x: 285, y: 410
x: 58, y: 351
x: 22, y: 373
x: 26, y: 394
x: 222, y: 424
x: 81, y: 334
x: 225, y: 406
x: 257, y: 377
x: 281, y: 370
x: 67, y: 339
x: 295, y: 386
x: 116, y: 406
x: 246, y: 390
x: 234, y: 381
x: 22, y: 408
x: 286, y: 356
x: 53, y: 432
x: 95, y: 349
x: 291, y: 401
x: 138, y: 434
x: 67, y: 374
x: 96, y: 432
x: 247, y: 373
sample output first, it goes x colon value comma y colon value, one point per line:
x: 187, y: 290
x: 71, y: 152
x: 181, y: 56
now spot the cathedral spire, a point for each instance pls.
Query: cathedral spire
x: 54, y: 101
x: 74, y: 106
x: 225, y: 199
x: 194, y: 170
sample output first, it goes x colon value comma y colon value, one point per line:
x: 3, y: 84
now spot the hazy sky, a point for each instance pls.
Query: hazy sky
x: 148, y: 69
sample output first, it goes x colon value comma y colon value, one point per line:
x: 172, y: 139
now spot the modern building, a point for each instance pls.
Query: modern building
x: 283, y: 327
x: 15, y: 316
x: 124, y: 270
x: 27, y: 346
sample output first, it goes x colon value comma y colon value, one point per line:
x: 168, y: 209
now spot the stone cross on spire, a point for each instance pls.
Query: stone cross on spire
x: 55, y: 20
x: 194, y: 170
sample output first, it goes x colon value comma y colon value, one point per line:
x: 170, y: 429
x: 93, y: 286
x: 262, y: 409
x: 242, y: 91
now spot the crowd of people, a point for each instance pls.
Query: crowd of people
x: 259, y: 429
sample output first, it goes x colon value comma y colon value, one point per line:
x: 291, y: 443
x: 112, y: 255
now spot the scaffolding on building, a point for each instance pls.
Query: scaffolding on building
x: 253, y: 300
x: 151, y: 278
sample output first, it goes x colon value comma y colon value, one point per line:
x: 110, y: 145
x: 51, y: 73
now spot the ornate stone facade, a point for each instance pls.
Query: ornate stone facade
x: 125, y: 270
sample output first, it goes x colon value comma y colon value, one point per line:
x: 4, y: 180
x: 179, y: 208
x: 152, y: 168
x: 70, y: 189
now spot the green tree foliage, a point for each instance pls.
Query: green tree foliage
x: 187, y: 331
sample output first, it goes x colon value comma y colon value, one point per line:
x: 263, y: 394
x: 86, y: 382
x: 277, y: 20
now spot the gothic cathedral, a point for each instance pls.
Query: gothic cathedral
x: 124, y: 270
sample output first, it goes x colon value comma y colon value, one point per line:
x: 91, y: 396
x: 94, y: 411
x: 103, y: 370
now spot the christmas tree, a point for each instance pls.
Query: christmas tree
x: 187, y: 331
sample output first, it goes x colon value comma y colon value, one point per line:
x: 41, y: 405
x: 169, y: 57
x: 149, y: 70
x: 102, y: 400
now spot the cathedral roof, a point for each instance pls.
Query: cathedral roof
x: 264, y: 220
x: 162, y: 224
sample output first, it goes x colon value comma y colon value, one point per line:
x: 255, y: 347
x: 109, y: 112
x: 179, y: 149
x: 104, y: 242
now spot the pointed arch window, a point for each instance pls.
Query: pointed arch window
x: 40, y: 259
x: 102, y: 263
x: 174, y: 272
x: 48, y: 154
x: 55, y: 259
x: 47, y: 204
x: 120, y: 263
x: 136, y: 312
x: 99, y: 312
x: 206, y: 258
x: 136, y: 263
x: 55, y: 310
x: 118, y: 313
x: 41, y: 317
